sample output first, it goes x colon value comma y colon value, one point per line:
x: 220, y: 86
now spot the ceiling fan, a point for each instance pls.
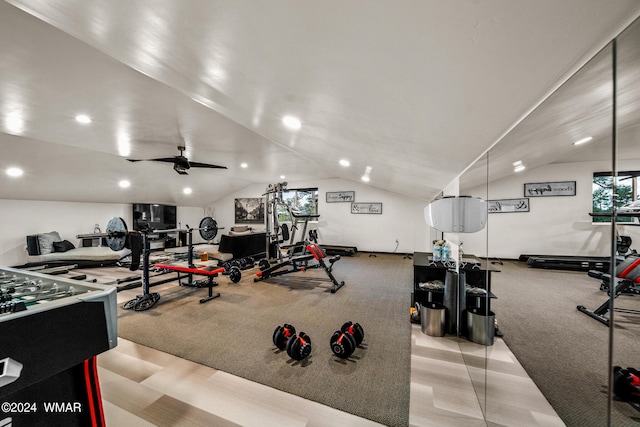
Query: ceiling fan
x: 180, y: 163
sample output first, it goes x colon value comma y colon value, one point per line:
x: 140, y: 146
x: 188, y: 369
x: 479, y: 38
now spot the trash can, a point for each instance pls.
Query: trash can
x: 481, y: 328
x: 433, y: 319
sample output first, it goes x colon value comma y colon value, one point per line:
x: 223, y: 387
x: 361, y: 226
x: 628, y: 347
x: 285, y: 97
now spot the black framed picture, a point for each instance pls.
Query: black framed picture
x: 340, y: 196
x: 547, y: 189
x: 249, y: 210
x: 366, y: 208
x: 508, y: 205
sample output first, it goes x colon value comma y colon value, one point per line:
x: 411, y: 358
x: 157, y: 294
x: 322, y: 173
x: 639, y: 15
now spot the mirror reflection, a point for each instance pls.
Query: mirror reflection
x: 550, y: 184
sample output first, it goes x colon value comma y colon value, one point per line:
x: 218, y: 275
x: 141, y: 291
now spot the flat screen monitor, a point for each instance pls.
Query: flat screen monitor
x: 154, y: 216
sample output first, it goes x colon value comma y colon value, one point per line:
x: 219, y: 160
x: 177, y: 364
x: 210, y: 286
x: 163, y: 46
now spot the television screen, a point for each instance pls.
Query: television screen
x: 154, y: 216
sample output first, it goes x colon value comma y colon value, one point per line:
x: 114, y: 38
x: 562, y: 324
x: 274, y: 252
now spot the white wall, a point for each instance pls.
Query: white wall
x: 554, y: 225
x: 402, y: 217
x: 24, y: 217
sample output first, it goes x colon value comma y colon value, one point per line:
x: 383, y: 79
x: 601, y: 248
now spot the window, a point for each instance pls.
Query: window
x: 627, y: 188
x: 303, y: 200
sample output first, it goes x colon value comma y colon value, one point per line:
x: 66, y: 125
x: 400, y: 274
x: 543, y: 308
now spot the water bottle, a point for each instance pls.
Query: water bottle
x: 437, y: 251
x: 446, y: 252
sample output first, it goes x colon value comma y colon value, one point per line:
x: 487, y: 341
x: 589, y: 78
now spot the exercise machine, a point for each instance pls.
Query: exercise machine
x: 118, y: 237
x: 293, y: 256
x: 627, y: 277
x: 301, y: 263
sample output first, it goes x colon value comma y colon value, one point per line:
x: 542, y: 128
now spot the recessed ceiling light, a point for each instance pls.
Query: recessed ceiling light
x: 83, y: 118
x: 519, y: 168
x: 345, y: 163
x: 583, y: 140
x: 124, y: 184
x: 291, y: 122
x: 282, y: 177
x: 14, y: 172
x: 244, y: 165
x: 365, y: 178
x: 187, y: 190
x: 518, y: 163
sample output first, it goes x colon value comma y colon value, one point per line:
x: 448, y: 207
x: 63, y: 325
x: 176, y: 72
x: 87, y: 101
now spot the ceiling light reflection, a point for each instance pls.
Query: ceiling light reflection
x: 292, y: 122
x: 14, y: 172
x: 583, y: 140
x: 83, y: 118
x: 14, y: 123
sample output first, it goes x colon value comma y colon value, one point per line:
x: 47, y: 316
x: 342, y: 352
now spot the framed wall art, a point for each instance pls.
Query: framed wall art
x: 546, y: 189
x: 249, y: 210
x: 508, y: 205
x: 340, y: 196
x: 366, y: 208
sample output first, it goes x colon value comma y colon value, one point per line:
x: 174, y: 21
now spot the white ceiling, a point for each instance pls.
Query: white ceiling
x: 416, y: 90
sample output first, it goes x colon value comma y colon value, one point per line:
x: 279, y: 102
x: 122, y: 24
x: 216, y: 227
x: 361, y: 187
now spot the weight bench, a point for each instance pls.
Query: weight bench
x: 300, y: 263
x: 627, y: 277
x: 209, y: 273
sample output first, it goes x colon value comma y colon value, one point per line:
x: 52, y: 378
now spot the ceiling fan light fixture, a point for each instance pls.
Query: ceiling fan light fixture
x: 180, y: 169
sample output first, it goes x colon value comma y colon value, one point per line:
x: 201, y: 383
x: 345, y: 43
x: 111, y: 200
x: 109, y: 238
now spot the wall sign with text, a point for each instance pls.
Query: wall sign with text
x: 508, y: 205
x: 340, y: 196
x: 366, y: 208
x: 546, y: 189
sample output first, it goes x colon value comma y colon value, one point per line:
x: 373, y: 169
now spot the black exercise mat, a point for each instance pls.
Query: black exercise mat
x: 233, y: 333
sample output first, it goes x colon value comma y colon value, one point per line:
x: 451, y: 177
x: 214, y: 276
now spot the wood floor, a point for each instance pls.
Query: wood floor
x: 145, y: 387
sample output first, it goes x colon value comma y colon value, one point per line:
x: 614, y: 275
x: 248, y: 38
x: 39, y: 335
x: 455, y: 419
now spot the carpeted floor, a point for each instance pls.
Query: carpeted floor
x: 564, y: 351
x: 233, y: 333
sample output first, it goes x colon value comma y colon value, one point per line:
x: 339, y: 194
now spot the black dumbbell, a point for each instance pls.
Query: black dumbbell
x: 344, y: 342
x: 235, y: 274
x: 299, y: 346
x: 355, y: 330
x: 282, y: 334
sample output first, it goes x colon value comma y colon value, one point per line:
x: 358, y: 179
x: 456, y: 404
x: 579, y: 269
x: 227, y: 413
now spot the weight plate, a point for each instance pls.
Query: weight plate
x: 264, y: 264
x: 235, y: 274
x: 208, y: 228
x: 117, y: 233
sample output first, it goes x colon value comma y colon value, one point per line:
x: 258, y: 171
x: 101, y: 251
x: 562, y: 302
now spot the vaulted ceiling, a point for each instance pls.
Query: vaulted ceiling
x: 414, y: 91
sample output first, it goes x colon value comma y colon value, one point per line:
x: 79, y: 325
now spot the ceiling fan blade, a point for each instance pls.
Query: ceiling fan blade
x: 205, y: 165
x: 163, y: 159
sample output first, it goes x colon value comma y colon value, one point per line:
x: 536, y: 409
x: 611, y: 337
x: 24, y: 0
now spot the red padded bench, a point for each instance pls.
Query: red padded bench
x: 209, y: 273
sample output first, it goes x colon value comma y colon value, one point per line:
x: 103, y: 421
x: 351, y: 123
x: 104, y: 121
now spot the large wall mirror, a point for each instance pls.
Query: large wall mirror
x: 543, y: 237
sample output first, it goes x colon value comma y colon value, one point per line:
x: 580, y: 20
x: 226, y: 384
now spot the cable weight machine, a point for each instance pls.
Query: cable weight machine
x: 299, y: 254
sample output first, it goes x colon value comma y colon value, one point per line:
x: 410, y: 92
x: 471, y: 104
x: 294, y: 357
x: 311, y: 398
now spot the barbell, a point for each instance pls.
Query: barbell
x: 117, y: 232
